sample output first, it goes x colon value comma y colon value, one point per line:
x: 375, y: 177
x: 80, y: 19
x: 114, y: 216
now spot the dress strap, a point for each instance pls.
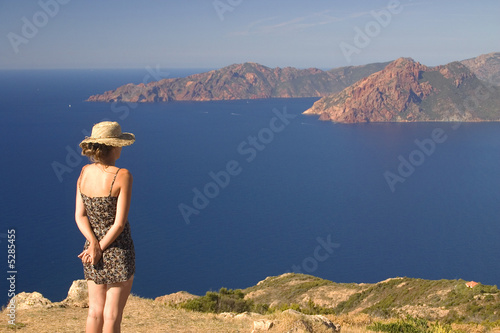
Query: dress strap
x: 112, y: 183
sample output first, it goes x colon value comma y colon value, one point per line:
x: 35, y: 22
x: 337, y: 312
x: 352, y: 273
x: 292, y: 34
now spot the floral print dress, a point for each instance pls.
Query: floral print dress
x: 118, y: 260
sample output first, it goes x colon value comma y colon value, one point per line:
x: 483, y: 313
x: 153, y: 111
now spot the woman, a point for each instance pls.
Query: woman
x: 102, y: 205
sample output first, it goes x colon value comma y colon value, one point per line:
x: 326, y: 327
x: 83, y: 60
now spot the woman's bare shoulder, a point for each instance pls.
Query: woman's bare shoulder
x: 124, y: 175
x: 124, y: 172
x: 82, y: 170
x: 85, y: 166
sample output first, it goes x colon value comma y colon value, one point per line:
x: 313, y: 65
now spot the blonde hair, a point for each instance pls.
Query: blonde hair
x: 96, y: 152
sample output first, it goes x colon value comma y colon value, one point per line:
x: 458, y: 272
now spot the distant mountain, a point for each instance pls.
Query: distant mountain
x: 486, y: 67
x: 242, y: 81
x: 407, y: 91
x: 399, y: 91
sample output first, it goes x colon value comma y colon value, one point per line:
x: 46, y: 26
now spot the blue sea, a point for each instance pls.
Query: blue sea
x: 227, y: 193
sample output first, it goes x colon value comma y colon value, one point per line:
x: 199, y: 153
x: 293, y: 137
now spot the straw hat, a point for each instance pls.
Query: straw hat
x: 109, y: 133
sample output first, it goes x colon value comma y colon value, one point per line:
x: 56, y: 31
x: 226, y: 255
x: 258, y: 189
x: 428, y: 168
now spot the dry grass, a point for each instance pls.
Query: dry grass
x: 47, y: 320
x: 352, y: 323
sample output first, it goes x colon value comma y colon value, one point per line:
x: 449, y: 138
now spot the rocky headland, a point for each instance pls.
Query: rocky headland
x: 407, y: 91
x: 241, y: 81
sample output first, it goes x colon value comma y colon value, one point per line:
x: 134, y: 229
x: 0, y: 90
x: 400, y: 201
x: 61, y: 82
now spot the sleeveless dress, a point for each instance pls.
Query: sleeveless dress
x: 118, y: 260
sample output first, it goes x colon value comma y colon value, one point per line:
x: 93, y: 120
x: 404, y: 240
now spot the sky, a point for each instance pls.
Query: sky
x: 95, y: 34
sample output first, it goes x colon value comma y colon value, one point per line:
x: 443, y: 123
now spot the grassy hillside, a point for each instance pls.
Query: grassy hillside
x: 443, y: 300
x: 394, y: 305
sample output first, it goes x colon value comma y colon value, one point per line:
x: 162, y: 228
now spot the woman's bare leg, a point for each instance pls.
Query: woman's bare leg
x: 116, y: 298
x: 97, y: 300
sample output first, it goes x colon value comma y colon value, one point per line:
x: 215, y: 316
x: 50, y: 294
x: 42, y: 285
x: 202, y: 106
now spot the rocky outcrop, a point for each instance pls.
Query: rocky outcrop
x: 176, y: 298
x: 291, y: 321
x: 78, y: 295
x: 306, y: 323
x: 241, y: 81
x: 31, y: 300
x: 407, y: 91
x: 262, y: 325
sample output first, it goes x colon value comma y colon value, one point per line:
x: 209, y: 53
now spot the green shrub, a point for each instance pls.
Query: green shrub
x: 313, y: 309
x: 382, y: 308
x: 410, y: 325
x: 283, y: 307
x: 351, y: 303
x: 453, y: 317
x: 438, y: 328
x: 226, y: 300
x: 459, y: 295
x: 310, y: 309
x: 489, y: 298
x: 261, y: 308
x: 485, y: 289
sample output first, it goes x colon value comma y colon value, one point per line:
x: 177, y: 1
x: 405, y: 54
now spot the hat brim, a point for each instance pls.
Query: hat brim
x: 126, y: 139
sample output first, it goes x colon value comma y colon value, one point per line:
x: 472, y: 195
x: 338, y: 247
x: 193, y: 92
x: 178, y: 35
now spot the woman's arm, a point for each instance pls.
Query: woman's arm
x: 124, y: 182
x: 94, y: 251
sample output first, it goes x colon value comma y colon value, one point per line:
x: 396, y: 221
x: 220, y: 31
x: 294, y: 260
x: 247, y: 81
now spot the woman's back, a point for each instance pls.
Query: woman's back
x: 97, y: 180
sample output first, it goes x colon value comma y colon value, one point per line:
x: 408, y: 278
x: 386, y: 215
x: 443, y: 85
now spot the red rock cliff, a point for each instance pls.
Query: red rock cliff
x: 388, y: 95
